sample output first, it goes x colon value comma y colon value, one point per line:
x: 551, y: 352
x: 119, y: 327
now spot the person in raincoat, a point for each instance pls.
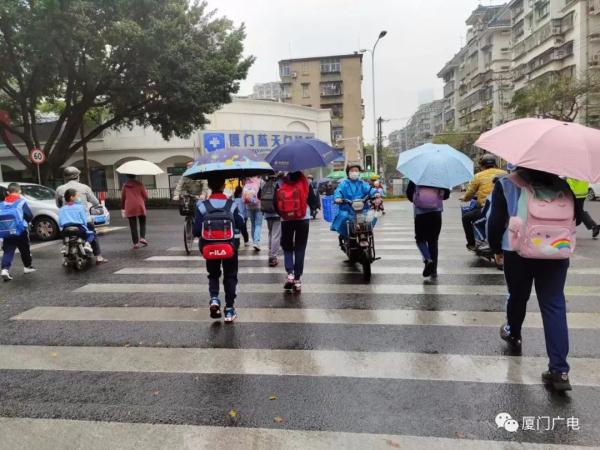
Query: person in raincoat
x: 580, y: 189
x: 351, y: 188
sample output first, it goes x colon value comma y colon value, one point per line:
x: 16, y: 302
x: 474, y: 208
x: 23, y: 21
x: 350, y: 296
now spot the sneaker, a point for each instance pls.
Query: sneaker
x: 215, y: 308
x: 558, y: 381
x: 256, y: 247
x: 471, y: 247
x: 273, y: 262
x: 29, y: 269
x: 289, y: 282
x: 101, y: 260
x: 513, y: 342
x: 136, y: 246
x: 429, y: 268
x: 230, y: 315
x: 246, y: 244
x: 595, y: 232
x: 88, y: 248
x: 144, y: 242
x: 297, y: 286
x: 5, y: 275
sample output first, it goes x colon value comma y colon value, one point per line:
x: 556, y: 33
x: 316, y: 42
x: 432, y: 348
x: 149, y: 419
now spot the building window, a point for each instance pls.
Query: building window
x: 337, y: 133
x: 331, y: 88
x: 543, y: 9
x: 304, y: 68
x: 330, y: 65
x: 284, y: 69
x: 286, y: 91
x: 305, y: 90
x: 337, y: 110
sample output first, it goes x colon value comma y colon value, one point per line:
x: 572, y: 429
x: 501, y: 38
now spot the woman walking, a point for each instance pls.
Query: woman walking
x: 293, y: 197
x: 133, y: 206
x: 428, y: 205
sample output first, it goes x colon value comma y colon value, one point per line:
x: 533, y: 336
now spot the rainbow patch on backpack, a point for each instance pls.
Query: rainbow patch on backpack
x: 561, y: 244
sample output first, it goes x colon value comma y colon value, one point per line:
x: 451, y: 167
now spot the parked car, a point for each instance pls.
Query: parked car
x: 594, y: 191
x: 42, y: 202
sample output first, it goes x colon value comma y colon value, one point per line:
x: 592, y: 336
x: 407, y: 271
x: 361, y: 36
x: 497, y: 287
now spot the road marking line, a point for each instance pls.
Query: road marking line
x: 296, y: 315
x: 323, y: 363
x: 309, y: 257
x: 458, y: 249
x: 94, y: 435
x: 269, y: 288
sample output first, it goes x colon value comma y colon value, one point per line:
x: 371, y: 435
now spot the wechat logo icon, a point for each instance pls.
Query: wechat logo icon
x: 504, y: 420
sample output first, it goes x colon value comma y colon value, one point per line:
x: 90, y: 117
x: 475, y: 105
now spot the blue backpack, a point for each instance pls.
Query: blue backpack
x: 12, y: 222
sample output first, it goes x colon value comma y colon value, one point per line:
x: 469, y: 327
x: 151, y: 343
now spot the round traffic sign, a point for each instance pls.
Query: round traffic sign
x: 37, y: 156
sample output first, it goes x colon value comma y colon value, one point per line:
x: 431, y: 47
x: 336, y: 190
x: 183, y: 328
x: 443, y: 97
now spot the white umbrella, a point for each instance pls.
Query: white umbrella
x: 139, y: 167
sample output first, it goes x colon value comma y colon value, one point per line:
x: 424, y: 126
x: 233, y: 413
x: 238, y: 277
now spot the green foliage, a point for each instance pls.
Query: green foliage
x: 163, y: 64
x: 459, y: 141
x: 558, y: 98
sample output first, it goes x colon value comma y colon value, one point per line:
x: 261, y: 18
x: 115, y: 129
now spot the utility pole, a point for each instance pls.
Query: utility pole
x: 379, y: 145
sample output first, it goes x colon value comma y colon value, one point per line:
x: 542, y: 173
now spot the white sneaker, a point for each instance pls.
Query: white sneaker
x: 29, y: 270
x: 88, y: 248
x: 5, y: 275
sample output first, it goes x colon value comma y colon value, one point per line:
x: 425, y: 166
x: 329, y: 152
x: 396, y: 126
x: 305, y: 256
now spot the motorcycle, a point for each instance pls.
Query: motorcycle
x: 482, y: 248
x: 359, y: 245
x: 74, y: 251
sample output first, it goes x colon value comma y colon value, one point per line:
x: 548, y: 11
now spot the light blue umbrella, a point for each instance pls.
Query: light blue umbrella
x: 435, y: 165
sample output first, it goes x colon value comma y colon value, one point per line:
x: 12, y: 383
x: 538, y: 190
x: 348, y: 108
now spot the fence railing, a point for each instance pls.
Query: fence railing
x: 155, y: 193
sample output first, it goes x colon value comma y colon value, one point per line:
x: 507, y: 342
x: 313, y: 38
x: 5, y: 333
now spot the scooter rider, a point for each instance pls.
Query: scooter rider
x: 197, y: 189
x: 352, y: 188
x: 480, y: 188
x: 88, y: 199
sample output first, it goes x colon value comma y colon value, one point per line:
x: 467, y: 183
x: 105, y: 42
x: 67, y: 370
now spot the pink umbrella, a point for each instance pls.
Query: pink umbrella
x: 563, y: 148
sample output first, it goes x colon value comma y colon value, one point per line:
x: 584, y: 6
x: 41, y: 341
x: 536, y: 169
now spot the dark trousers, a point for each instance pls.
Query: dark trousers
x: 427, y: 232
x: 294, y: 237
x: 230, y: 279
x: 244, y: 231
x: 467, y: 221
x: 11, y: 244
x: 134, y: 229
x: 588, y: 221
x: 549, y: 277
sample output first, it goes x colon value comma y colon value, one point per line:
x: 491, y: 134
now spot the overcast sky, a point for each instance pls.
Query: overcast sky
x: 422, y: 36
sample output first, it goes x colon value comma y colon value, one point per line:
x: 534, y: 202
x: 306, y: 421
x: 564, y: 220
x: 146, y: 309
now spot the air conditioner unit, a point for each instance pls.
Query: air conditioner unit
x: 559, y: 40
x: 294, y: 74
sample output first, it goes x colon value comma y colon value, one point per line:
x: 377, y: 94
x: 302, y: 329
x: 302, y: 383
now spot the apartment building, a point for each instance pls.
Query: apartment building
x: 266, y: 91
x: 478, y: 86
x: 329, y: 82
x: 424, y: 124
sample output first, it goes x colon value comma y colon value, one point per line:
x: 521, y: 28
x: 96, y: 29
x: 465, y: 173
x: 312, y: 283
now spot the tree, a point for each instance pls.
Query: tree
x: 460, y: 141
x: 163, y: 64
x: 560, y: 98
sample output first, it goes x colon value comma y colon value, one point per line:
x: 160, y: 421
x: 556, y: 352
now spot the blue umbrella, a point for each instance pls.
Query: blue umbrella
x: 301, y: 154
x: 435, y: 165
x: 228, y: 164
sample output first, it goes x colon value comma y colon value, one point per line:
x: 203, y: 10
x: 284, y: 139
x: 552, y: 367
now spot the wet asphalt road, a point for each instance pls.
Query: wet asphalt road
x: 439, y: 404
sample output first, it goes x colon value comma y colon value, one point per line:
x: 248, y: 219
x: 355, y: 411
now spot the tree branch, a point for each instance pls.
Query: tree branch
x: 11, y: 147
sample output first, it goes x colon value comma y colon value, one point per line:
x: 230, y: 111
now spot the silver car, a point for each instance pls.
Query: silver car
x: 594, y: 191
x: 41, y: 201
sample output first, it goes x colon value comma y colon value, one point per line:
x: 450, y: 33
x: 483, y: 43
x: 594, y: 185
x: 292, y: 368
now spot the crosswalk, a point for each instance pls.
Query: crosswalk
x: 130, y: 358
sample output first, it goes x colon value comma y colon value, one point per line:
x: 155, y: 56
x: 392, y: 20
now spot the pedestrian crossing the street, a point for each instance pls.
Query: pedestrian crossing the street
x: 129, y: 358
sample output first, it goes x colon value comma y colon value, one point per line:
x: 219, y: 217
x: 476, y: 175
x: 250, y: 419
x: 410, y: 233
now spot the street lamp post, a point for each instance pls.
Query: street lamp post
x: 375, y: 149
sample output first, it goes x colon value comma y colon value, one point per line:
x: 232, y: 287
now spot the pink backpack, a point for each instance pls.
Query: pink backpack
x: 542, y: 228
x: 428, y: 198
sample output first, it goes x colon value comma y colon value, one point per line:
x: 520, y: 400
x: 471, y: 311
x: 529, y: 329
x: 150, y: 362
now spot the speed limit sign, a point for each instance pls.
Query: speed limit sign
x: 37, y: 156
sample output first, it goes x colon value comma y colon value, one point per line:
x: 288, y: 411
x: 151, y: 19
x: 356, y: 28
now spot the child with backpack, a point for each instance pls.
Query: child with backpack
x: 428, y: 203
x: 216, y: 223
x: 293, y: 196
x: 250, y: 199
x: 15, y: 217
x: 532, y: 223
x: 266, y: 196
x: 73, y: 214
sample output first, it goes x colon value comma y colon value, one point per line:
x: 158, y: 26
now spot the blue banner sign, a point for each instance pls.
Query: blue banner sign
x: 258, y: 141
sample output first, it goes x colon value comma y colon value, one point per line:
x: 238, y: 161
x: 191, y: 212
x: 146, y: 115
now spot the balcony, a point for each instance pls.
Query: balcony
x: 595, y: 36
x: 331, y: 89
x: 449, y: 88
x: 482, y: 78
x: 594, y: 7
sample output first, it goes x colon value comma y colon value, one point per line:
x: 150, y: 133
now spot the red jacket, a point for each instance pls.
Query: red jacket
x: 133, y: 198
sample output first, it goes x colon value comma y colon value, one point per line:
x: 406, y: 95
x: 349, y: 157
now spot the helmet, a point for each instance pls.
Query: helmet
x: 71, y: 173
x: 352, y: 166
x: 488, y: 160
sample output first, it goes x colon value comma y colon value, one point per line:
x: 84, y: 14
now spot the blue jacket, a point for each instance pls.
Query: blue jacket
x: 349, y: 190
x: 216, y: 203
x: 73, y: 214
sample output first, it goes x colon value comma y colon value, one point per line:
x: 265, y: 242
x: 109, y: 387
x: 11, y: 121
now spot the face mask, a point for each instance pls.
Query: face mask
x: 353, y: 176
x: 77, y: 200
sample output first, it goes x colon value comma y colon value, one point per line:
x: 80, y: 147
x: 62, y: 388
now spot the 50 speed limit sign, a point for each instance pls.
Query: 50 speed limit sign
x: 37, y: 156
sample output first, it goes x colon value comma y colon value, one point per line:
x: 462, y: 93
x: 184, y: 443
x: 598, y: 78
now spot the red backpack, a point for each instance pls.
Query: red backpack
x: 292, y: 199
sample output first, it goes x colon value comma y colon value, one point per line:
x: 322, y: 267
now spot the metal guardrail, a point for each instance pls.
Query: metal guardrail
x: 153, y: 193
